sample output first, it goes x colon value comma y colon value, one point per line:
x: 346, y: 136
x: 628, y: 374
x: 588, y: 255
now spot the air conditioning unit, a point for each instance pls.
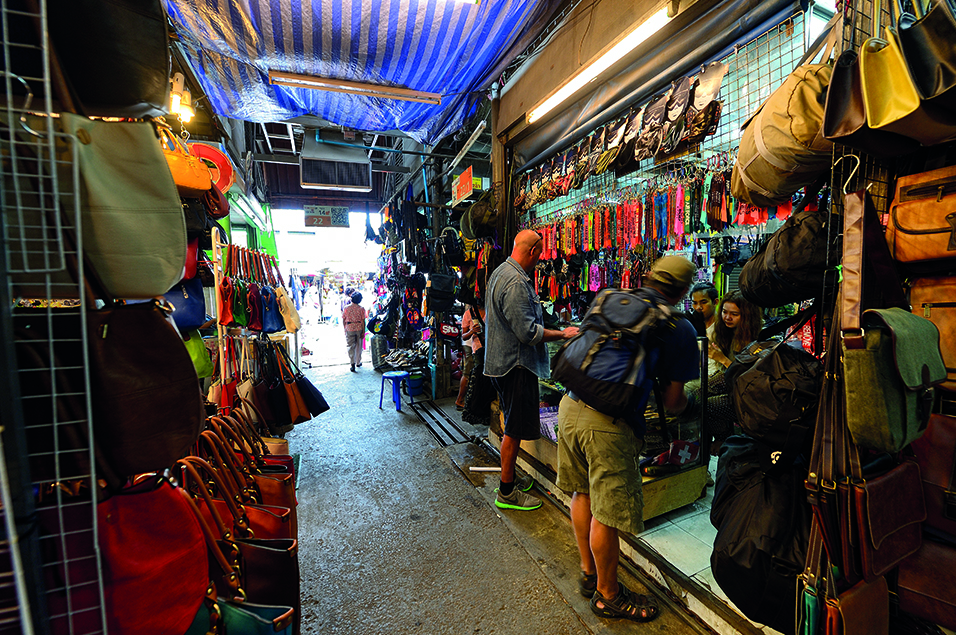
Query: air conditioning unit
x: 325, y: 165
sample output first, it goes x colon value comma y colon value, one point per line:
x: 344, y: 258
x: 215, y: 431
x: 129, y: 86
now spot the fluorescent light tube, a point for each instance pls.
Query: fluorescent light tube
x: 294, y: 80
x: 627, y: 44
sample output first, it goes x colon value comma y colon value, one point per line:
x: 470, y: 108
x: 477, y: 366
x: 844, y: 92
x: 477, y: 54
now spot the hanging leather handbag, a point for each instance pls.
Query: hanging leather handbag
x: 271, y: 318
x: 188, y: 304
x: 926, y: 583
x: 192, y: 258
x: 922, y: 223
x: 890, y: 97
x: 254, y: 303
x: 222, y: 391
x: 844, y: 116
x: 290, y: 315
x: 936, y: 457
x: 935, y: 300
x: 230, y: 612
x: 261, y: 390
x: 141, y: 430
x: 215, y: 203
x: 862, y: 610
x: 891, y: 357
x: 268, y: 567
x: 226, y: 292
x: 153, y: 555
x: 118, y: 63
x: 133, y: 228
x: 240, y: 299
x: 298, y: 411
x: 190, y: 174
x: 311, y: 396
x: 247, y: 519
x: 276, y: 394
x: 889, y: 512
x: 926, y: 41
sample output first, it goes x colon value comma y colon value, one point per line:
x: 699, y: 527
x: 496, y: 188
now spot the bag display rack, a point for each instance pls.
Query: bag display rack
x: 46, y: 419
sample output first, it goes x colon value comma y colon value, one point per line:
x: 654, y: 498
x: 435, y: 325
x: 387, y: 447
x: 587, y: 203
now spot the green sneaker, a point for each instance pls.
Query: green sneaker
x: 517, y: 500
x: 524, y: 483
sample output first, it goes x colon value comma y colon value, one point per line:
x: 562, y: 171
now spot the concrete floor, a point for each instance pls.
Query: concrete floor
x: 394, y: 538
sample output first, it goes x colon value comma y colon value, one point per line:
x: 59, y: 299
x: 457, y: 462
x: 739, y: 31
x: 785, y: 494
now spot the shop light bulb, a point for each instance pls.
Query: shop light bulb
x: 186, y: 111
x: 176, y: 93
x: 630, y: 41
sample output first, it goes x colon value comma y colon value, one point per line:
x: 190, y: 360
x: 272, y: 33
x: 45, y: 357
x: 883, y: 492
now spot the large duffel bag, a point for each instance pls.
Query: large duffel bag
x: 796, y: 263
x: 762, y: 519
x: 782, y: 148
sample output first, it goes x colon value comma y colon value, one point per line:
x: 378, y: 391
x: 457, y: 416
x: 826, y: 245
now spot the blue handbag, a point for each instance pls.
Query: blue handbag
x: 271, y: 318
x: 189, y: 304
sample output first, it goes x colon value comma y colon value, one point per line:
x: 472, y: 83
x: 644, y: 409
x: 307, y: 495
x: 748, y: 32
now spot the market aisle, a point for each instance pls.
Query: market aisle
x: 393, y: 539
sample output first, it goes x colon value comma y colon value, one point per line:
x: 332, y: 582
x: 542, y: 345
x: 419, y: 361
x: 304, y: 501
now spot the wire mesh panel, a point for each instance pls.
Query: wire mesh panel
x: 754, y: 71
x: 50, y: 462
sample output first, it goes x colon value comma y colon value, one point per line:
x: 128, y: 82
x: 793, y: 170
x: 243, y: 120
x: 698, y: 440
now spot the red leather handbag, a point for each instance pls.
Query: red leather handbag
x: 226, y: 294
x: 216, y: 204
x: 153, y: 553
x: 192, y: 259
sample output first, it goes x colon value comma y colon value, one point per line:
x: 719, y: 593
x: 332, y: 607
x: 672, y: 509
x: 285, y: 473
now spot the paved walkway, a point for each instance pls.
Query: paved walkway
x: 394, y: 539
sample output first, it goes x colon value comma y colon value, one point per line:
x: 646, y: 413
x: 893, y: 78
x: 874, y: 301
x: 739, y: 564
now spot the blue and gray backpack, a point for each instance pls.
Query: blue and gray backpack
x: 604, y: 364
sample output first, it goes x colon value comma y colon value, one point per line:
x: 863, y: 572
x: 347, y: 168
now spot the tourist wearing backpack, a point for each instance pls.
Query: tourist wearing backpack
x: 598, y: 454
x: 515, y: 357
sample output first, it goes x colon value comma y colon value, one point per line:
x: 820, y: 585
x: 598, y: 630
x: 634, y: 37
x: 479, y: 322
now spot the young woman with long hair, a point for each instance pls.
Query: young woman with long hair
x: 738, y: 324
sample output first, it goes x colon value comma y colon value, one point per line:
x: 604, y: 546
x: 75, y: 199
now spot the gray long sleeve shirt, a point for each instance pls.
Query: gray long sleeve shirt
x: 514, y: 324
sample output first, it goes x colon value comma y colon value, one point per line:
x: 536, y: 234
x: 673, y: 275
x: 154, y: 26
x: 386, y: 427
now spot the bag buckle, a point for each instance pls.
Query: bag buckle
x: 853, y: 338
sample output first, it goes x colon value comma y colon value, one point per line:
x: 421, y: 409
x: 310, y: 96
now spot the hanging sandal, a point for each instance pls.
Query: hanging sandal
x: 627, y: 605
x: 587, y: 584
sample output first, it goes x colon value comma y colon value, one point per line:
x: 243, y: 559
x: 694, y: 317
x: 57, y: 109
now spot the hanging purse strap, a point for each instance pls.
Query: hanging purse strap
x: 861, y: 230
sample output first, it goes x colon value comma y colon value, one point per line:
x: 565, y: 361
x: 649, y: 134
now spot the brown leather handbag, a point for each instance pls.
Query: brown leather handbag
x: 862, y: 610
x: 889, y: 513
x: 935, y: 300
x: 922, y: 224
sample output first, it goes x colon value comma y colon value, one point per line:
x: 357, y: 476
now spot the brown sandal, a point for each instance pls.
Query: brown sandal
x: 627, y: 605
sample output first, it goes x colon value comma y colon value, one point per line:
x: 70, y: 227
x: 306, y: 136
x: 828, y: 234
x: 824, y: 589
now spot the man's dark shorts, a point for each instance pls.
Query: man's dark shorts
x: 518, y: 398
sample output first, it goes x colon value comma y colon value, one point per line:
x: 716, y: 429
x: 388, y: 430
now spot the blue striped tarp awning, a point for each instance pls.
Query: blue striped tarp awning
x: 437, y: 46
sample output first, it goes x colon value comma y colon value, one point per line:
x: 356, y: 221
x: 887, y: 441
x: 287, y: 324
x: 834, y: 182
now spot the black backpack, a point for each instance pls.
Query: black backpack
x: 441, y: 291
x: 763, y: 528
x: 776, y: 398
x: 604, y: 363
x: 796, y: 264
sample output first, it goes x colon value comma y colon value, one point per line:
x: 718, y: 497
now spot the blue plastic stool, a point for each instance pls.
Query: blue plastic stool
x: 396, y: 377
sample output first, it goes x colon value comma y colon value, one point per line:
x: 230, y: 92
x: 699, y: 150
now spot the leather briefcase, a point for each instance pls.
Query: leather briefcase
x: 936, y: 456
x: 927, y: 583
x: 922, y: 224
x: 935, y: 300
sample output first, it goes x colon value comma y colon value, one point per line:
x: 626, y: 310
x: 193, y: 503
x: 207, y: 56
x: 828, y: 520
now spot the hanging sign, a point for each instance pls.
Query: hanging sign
x: 326, y: 216
x: 463, y: 186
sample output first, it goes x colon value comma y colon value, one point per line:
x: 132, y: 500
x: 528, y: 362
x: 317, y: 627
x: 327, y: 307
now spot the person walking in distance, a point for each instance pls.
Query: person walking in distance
x: 598, y: 455
x: 515, y: 357
x: 353, y: 318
